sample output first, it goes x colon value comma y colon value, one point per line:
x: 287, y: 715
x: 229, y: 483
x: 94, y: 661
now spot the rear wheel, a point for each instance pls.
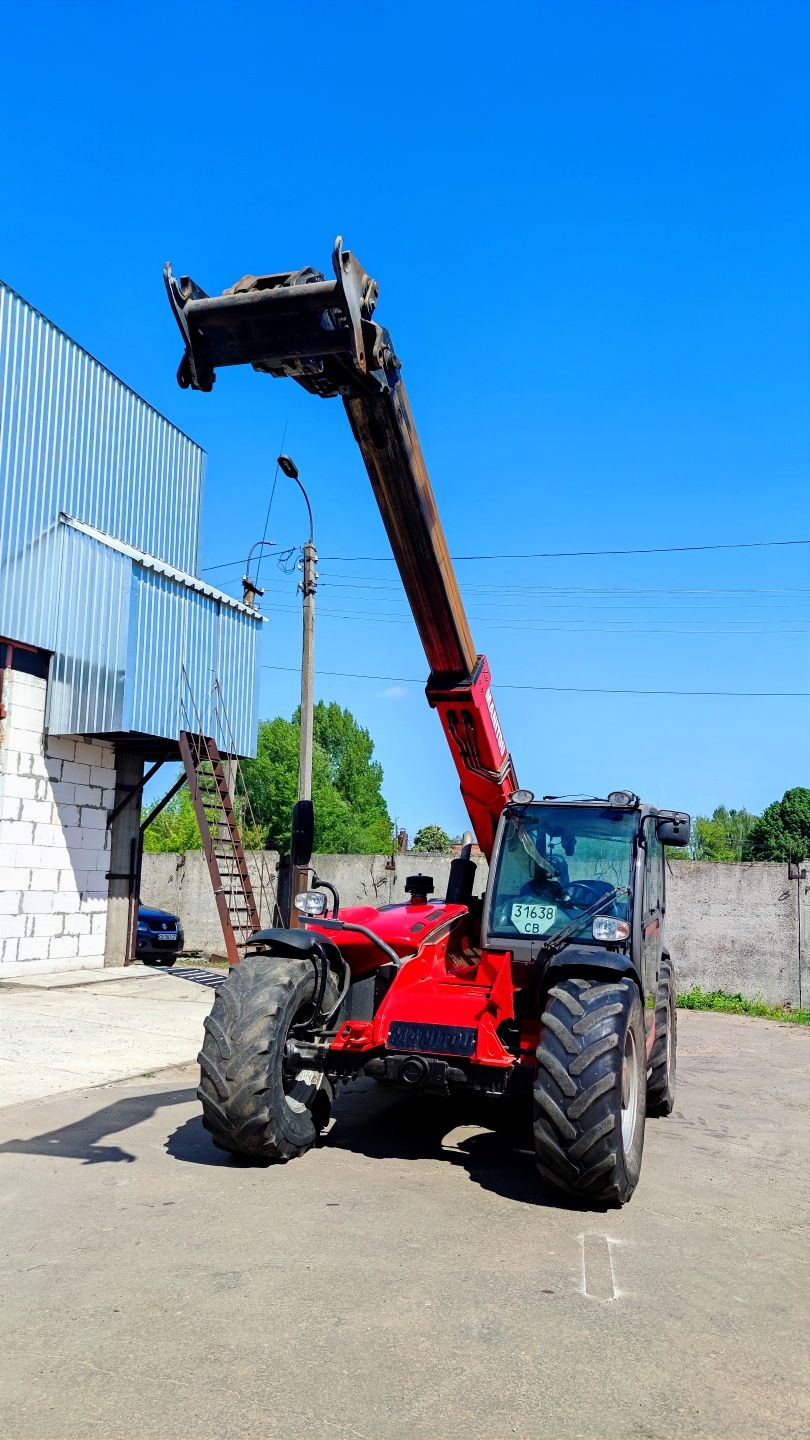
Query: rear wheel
x: 661, y: 1084
x: 589, y: 1094
x: 257, y: 1098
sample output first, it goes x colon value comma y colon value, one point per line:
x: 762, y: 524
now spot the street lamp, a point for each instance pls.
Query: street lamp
x: 302, y: 820
x: 288, y: 465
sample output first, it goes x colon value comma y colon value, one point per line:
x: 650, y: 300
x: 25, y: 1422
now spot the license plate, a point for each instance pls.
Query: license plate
x: 532, y: 918
x: 166, y: 935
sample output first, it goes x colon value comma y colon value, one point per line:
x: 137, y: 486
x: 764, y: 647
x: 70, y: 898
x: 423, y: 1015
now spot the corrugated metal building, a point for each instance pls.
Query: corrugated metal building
x: 116, y: 639
x: 99, y: 523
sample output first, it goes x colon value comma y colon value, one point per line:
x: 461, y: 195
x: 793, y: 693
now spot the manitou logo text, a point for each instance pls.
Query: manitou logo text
x: 433, y: 1039
x: 496, y: 724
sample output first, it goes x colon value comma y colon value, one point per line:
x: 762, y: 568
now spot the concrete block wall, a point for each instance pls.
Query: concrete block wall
x: 181, y: 884
x: 744, y: 929
x: 54, y: 842
x: 736, y: 928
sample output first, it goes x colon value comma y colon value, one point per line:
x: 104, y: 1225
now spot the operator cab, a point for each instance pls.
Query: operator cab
x: 555, y: 861
x: 581, y: 876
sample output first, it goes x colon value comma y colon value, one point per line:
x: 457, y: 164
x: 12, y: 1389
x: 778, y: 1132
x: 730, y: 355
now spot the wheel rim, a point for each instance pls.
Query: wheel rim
x: 629, y: 1090
x: 300, y: 1090
x: 300, y: 1084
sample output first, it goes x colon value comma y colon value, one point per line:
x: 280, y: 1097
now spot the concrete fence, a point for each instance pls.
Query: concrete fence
x: 744, y: 929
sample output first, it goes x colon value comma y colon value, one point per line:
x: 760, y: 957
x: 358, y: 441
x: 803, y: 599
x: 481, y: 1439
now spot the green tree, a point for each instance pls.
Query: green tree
x: 350, y: 811
x: 783, y: 830
x: 723, y: 835
x: 272, y: 780
x: 362, y: 823
x: 432, y: 840
x: 175, y: 829
x: 351, y: 816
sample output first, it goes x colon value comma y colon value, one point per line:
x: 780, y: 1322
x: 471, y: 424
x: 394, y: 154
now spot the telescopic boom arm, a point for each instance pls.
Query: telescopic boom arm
x: 321, y: 333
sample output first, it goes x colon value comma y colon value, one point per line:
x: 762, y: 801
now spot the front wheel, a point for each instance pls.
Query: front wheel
x: 257, y: 1099
x: 590, y: 1090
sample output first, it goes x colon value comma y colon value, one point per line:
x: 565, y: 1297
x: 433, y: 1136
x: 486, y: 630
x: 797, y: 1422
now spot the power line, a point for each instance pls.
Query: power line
x: 562, y: 554
x: 573, y: 689
x: 379, y: 582
x: 530, y: 624
x: 575, y: 554
x: 391, y: 592
x: 385, y: 591
x: 224, y: 565
x: 269, y: 506
x: 532, y: 605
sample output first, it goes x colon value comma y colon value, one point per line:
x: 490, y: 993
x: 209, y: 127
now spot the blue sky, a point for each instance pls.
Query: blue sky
x: 591, y: 228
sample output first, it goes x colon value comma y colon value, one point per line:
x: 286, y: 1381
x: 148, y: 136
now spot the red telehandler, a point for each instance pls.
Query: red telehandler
x: 556, y: 982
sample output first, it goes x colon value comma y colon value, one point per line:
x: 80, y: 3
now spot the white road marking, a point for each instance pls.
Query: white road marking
x: 598, y: 1275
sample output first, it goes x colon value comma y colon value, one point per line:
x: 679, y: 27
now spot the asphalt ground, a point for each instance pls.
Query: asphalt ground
x: 409, y: 1277
x: 64, y: 1032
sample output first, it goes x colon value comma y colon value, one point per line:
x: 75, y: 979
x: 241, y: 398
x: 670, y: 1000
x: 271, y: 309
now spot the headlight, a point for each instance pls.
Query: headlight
x: 143, y: 928
x: 606, y: 927
x: 622, y: 797
x: 310, y: 903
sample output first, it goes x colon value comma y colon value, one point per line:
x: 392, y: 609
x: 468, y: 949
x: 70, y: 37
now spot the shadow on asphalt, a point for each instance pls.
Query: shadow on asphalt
x: 368, y: 1122
x: 79, y: 1141
x: 499, y: 1158
x: 192, y: 1144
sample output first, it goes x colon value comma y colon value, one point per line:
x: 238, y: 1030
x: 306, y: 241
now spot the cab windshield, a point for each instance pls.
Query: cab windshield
x: 555, y: 862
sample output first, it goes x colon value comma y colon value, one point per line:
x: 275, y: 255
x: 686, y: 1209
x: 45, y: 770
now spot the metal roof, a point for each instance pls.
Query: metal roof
x: 151, y: 562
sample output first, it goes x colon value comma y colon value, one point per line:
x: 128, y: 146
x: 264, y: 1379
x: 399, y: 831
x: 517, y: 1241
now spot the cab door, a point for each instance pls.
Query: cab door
x: 652, y: 917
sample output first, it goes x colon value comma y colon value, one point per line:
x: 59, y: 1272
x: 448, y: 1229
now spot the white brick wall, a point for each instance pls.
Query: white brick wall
x: 54, y: 842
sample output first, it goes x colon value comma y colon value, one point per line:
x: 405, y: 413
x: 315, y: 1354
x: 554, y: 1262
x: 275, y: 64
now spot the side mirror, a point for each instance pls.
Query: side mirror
x: 302, y: 838
x: 673, y: 828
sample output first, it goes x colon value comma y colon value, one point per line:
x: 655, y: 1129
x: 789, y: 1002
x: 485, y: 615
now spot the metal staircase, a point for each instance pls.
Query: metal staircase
x: 217, y: 811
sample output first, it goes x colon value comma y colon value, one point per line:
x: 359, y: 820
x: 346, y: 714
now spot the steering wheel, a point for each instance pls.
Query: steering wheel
x: 586, y: 892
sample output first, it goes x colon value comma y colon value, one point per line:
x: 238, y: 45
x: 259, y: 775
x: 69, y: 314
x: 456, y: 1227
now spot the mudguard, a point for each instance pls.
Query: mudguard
x: 589, y: 960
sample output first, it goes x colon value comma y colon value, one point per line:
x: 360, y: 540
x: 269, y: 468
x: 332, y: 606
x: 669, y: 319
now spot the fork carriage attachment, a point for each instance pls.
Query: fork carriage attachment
x: 297, y: 323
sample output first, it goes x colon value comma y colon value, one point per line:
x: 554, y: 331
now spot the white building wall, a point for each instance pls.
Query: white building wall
x: 54, y: 841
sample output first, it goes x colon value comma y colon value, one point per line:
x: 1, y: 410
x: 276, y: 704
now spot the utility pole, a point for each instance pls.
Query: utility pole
x: 300, y: 873
x: 308, y: 587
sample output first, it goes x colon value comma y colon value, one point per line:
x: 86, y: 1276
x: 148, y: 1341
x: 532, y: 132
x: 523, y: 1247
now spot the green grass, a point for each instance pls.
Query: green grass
x: 697, y: 999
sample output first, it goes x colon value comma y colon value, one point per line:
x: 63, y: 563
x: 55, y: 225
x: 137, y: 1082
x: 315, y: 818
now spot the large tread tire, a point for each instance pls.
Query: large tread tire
x: 246, y: 1108
x: 661, y: 1082
x: 578, y: 1089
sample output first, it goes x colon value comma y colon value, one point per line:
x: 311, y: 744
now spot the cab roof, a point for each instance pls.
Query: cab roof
x: 629, y: 801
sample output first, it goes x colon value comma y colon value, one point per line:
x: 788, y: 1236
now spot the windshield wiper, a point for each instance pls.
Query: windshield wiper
x: 572, y: 929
